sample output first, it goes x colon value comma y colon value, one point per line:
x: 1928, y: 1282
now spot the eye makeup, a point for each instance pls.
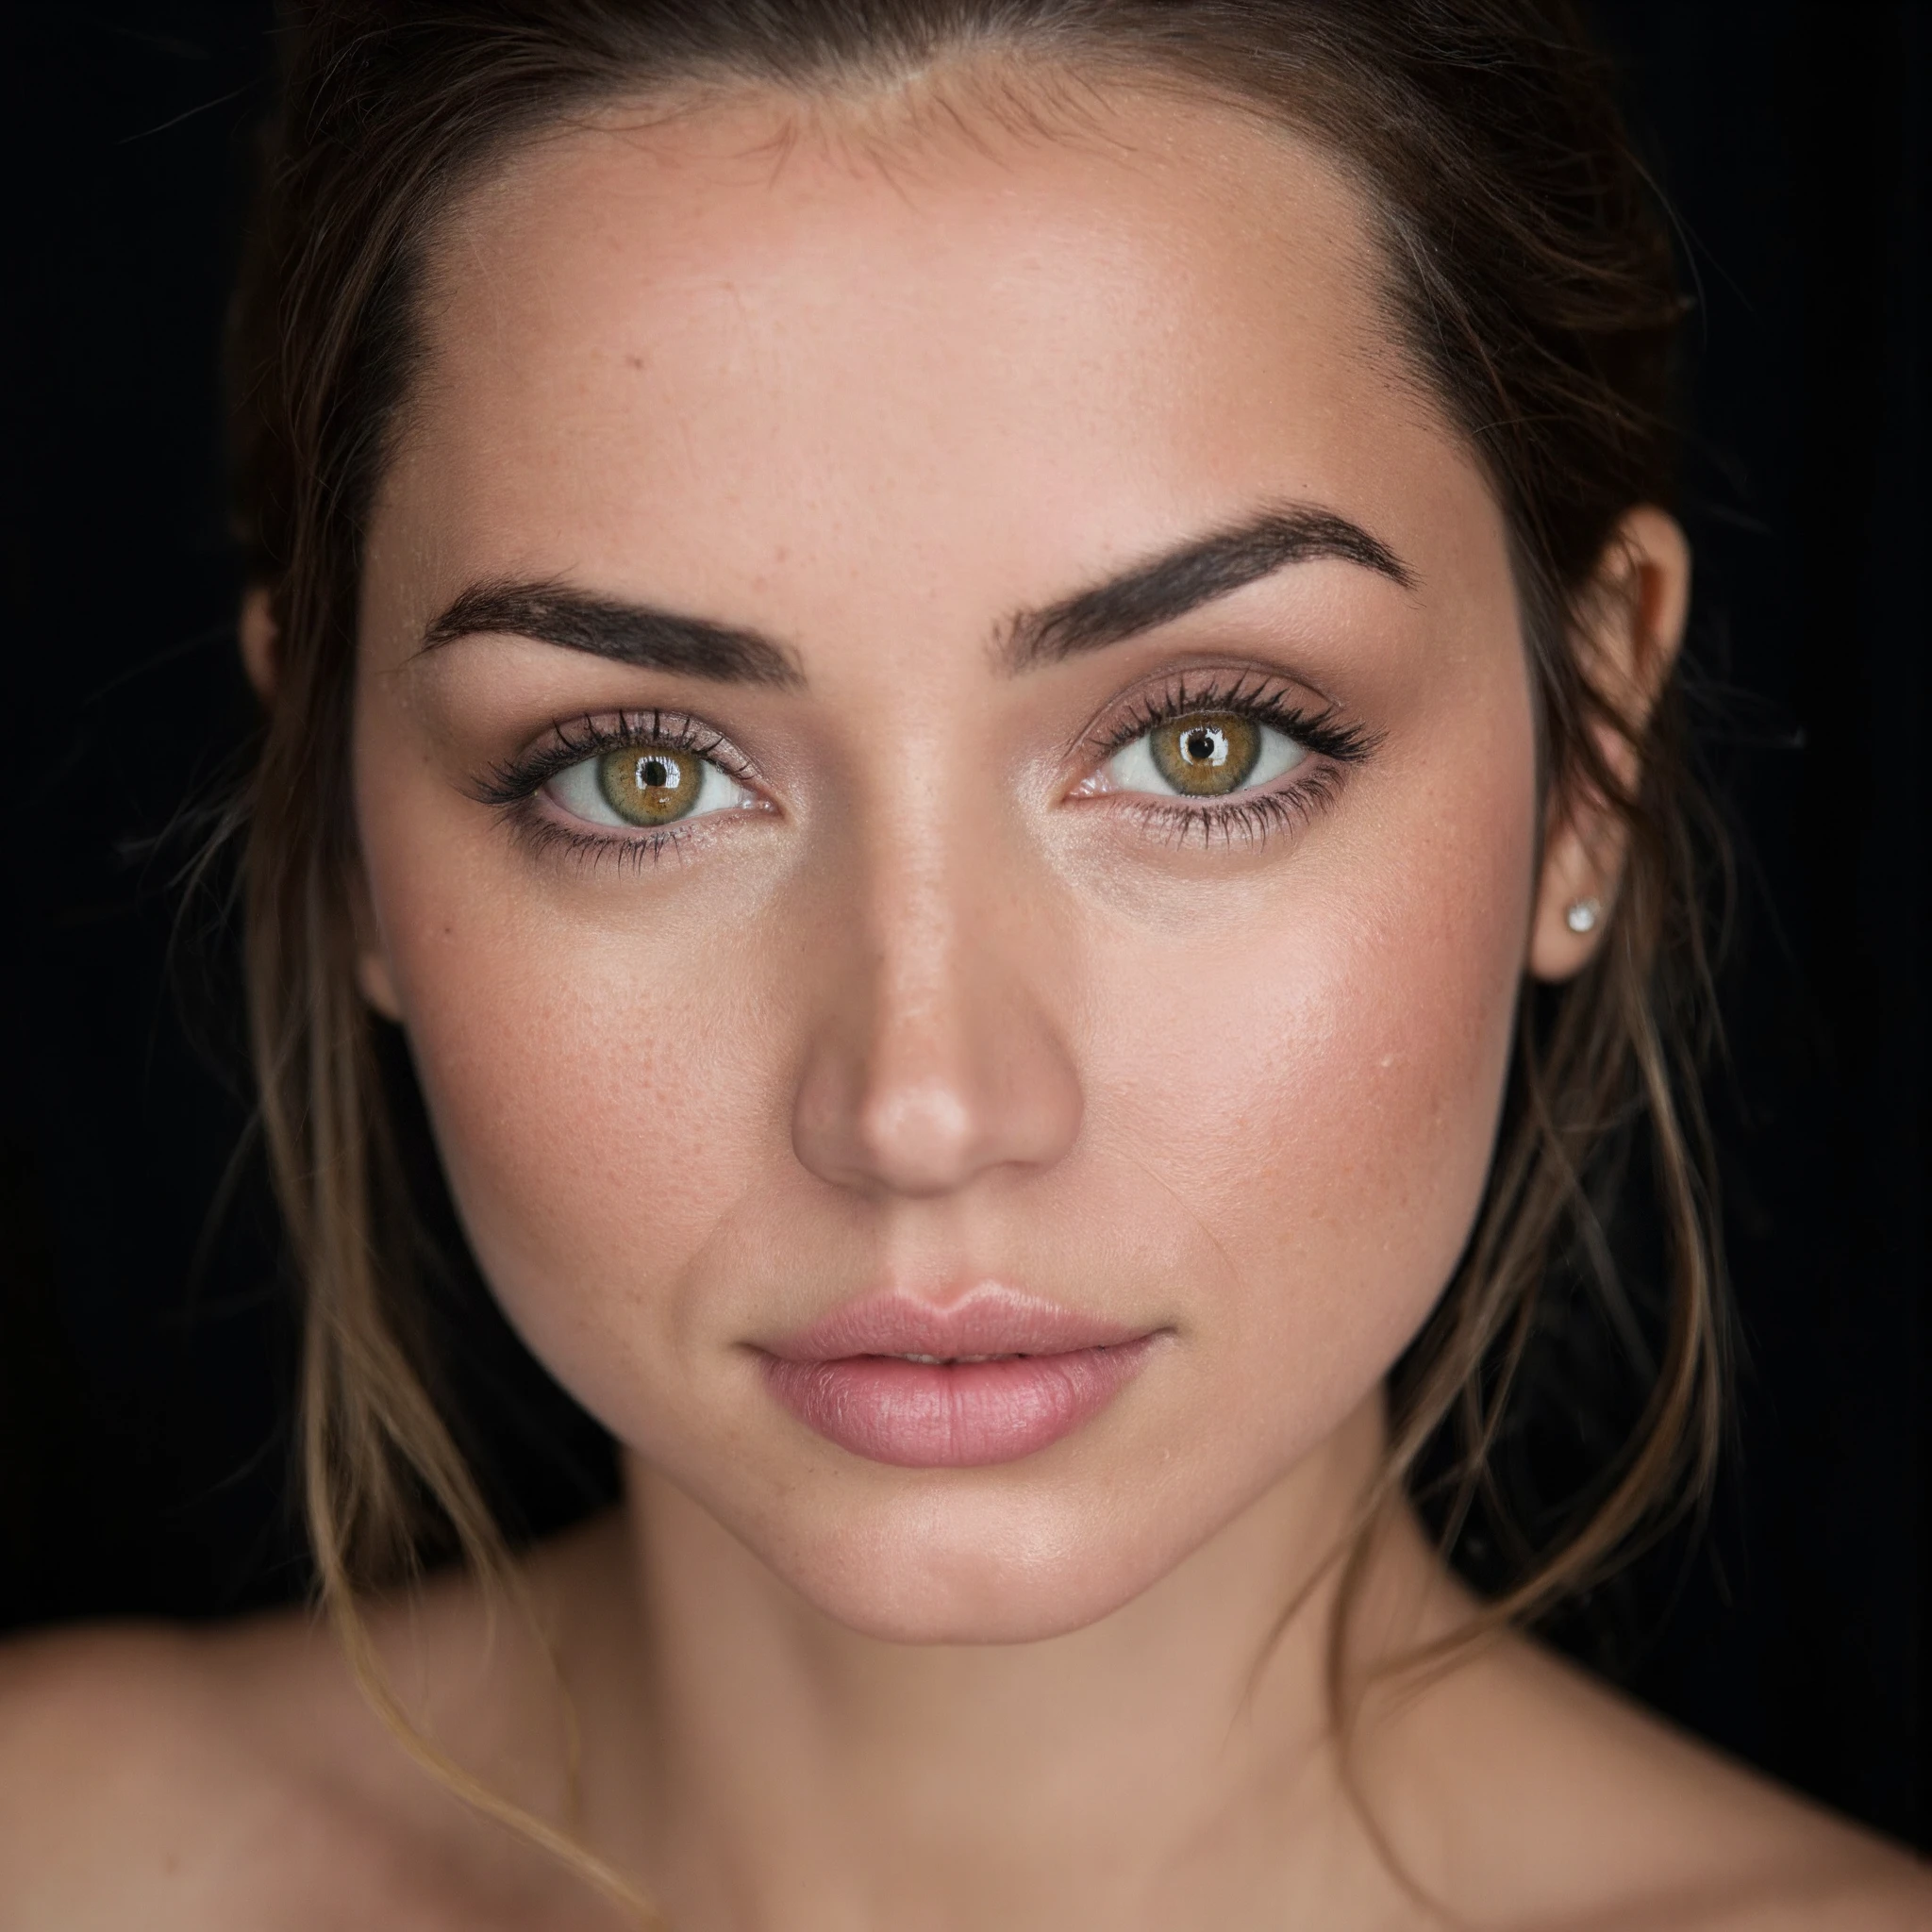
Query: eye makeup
x: 1218, y: 755
x: 630, y: 786
x: 1203, y: 754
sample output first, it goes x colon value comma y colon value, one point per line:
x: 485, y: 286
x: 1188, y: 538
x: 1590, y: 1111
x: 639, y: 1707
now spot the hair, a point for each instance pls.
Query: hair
x: 1531, y: 281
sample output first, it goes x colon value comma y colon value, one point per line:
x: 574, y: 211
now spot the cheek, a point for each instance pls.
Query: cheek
x: 598, y: 1089
x: 595, y: 1131
x: 1324, y: 1099
x: 574, y: 1115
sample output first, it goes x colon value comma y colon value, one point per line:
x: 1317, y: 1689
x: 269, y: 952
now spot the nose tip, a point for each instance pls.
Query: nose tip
x: 878, y: 1126
x: 923, y: 1136
x: 921, y: 1082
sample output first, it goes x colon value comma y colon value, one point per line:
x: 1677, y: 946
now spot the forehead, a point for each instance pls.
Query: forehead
x: 717, y: 355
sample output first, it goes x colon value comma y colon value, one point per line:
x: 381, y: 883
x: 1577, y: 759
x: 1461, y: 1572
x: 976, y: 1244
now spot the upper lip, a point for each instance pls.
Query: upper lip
x: 988, y: 1319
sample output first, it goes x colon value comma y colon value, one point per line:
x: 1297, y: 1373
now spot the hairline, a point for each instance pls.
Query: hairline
x: 1090, y: 69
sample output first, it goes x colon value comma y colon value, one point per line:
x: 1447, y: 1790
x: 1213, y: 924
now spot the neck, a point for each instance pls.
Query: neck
x: 767, y: 1766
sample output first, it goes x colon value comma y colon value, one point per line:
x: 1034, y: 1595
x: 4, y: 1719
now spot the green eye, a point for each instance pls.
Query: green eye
x: 645, y: 787
x: 648, y: 784
x: 1206, y: 756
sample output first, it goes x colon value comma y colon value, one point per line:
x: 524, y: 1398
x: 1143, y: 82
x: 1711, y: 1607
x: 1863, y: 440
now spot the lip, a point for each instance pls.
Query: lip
x: 1006, y: 1375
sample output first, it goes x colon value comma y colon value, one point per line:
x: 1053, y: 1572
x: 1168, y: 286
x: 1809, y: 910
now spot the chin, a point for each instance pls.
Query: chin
x: 951, y: 1562
x: 925, y: 1598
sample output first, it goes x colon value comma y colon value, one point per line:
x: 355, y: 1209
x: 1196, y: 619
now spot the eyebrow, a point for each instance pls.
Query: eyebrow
x: 553, y: 613
x: 1183, y: 579
x: 1139, y: 599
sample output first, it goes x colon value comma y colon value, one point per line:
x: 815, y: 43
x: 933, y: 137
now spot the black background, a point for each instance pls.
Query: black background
x: 145, y: 1346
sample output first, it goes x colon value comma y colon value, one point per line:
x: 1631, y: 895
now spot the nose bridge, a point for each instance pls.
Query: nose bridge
x: 937, y: 1054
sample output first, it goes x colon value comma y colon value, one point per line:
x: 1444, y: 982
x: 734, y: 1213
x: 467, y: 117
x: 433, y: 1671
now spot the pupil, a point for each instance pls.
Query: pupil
x: 1200, y: 745
x: 654, y: 774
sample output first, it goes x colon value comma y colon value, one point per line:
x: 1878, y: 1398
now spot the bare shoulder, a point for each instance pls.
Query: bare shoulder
x: 1602, y: 1817
x: 121, y: 1785
x: 170, y: 1777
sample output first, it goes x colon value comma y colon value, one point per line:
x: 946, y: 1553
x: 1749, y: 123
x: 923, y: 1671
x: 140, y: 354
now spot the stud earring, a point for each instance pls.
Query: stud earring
x: 1583, y: 916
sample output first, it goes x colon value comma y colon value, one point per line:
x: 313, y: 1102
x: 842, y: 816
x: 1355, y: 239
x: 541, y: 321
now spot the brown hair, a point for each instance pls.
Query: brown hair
x: 1531, y: 276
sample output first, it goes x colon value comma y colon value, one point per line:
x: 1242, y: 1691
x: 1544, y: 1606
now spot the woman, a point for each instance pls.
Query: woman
x: 991, y: 686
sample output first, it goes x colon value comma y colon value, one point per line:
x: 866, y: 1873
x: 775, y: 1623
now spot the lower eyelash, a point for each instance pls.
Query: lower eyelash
x: 538, y: 833
x: 1243, y: 819
x: 515, y: 788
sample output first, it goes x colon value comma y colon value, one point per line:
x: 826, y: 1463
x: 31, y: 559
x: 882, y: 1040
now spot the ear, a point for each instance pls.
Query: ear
x: 259, y: 642
x: 375, y: 979
x: 261, y: 661
x: 1632, y: 628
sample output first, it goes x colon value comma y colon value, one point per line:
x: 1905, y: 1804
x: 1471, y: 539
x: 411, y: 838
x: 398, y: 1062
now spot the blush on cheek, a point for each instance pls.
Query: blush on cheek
x: 591, y: 1135
x: 1326, y: 1099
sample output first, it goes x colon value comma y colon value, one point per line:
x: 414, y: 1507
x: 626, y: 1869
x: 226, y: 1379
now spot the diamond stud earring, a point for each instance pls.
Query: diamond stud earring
x: 1583, y: 916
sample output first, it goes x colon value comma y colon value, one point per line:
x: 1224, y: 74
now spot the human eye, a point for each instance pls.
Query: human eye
x: 634, y: 783
x: 1224, y: 755
x: 1204, y: 755
x: 644, y: 787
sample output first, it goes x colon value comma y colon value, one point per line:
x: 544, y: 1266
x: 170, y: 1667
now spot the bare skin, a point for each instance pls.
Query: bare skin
x: 937, y: 995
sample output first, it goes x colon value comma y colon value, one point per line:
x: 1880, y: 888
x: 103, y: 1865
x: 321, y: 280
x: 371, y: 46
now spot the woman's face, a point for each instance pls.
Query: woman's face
x: 945, y: 769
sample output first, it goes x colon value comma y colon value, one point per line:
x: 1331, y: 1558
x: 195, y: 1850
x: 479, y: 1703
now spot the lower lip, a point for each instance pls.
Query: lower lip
x: 953, y: 1415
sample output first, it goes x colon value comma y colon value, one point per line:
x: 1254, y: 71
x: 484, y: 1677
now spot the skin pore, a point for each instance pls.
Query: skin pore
x: 816, y: 442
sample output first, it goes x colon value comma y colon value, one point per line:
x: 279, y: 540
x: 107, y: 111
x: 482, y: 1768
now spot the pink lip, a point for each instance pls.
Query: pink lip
x: 845, y: 1377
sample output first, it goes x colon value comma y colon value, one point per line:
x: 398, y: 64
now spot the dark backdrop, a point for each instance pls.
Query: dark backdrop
x: 146, y: 1345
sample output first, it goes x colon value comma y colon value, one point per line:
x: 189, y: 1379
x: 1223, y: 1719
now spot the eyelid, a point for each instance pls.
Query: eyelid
x: 1270, y: 698
x: 569, y: 742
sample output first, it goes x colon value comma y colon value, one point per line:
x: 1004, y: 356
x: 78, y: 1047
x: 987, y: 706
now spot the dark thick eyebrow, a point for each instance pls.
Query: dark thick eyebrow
x: 553, y: 613
x: 1197, y: 572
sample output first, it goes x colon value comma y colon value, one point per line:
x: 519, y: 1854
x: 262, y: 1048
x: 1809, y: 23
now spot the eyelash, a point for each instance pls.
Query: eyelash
x: 512, y: 787
x: 1250, y: 816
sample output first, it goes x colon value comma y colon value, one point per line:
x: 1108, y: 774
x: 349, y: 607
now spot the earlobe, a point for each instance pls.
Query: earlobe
x: 259, y: 642
x: 260, y: 660
x: 1634, y: 630
x: 375, y: 980
x: 377, y: 984
x: 1575, y: 901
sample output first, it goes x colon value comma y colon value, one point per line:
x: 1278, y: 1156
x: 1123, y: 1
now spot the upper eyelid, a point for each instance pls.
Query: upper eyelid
x: 613, y: 730
x: 677, y: 729
x: 530, y: 770
x: 1266, y: 694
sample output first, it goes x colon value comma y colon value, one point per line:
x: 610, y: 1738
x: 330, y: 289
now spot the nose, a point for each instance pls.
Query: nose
x: 934, y: 1060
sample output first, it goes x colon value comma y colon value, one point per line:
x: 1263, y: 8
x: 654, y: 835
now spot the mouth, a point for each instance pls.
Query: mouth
x: 953, y: 1361
x: 991, y: 1379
